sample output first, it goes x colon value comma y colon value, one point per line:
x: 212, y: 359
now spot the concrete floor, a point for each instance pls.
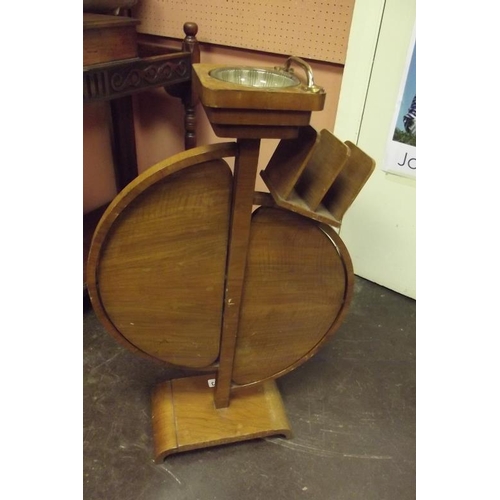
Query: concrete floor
x: 351, y: 407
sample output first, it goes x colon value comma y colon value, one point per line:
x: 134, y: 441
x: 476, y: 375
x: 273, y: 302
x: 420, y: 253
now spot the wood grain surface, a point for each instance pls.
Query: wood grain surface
x: 162, y: 268
x: 108, y: 38
x: 319, y: 179
x: 289, y: 160
x: 245, y: 170
x: 184, y: 416
x: 140, y: 186
x: 327, y: 160
x: 298, y: 283
x: 349, y: 182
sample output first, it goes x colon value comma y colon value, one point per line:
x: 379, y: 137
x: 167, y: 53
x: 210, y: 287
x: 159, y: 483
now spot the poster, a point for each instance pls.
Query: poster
x: 401, y: 156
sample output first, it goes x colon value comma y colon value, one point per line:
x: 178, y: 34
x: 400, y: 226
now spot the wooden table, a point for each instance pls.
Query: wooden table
x: 118, y: 62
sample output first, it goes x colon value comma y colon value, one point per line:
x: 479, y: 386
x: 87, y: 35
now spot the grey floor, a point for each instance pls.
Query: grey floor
x: 351, y: 407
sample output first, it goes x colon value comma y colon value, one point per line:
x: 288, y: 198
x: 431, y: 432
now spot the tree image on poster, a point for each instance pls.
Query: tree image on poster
x: 401, y: 158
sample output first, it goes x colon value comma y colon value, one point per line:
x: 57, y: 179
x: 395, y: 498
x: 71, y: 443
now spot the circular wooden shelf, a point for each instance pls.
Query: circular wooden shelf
x: 157, y: 272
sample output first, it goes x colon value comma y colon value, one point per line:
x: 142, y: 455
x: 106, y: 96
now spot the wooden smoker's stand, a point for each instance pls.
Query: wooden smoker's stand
x: 188, y: 413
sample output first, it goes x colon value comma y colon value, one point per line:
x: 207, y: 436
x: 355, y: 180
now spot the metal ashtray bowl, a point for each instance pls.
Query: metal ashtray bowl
x: 256, y: 77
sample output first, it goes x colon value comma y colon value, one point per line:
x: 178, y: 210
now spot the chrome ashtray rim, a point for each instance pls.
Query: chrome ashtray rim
x: 255, y: 77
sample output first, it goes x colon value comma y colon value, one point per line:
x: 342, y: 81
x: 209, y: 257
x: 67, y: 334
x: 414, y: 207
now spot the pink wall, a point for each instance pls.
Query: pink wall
x: 98, y: 175
x: 159, y: 122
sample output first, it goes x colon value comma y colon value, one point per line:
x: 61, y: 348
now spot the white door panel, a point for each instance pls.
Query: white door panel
x: 379, y: 228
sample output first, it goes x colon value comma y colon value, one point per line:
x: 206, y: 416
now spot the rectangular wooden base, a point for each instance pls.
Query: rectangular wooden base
x: 185, y: 418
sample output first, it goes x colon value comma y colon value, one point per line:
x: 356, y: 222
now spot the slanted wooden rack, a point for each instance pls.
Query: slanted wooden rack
x: 317, y: 175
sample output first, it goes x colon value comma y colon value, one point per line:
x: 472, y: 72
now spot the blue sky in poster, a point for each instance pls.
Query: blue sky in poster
x: 410, y: 90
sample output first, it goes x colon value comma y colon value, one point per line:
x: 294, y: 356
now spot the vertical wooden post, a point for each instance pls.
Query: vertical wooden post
x: 123, y: 141
x: 245, y: 171
x: 190, y: 99
x: 185, y: 90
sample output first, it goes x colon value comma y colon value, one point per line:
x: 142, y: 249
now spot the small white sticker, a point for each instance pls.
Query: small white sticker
x: 211, y: 382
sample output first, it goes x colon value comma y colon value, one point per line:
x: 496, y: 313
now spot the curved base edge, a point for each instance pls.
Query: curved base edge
x: 184, y: 416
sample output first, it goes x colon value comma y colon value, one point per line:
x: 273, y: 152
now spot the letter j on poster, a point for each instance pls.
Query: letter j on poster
x: 401, y: 155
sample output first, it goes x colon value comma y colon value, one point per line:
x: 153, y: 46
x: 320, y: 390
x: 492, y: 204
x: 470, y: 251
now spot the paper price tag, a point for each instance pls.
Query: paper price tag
x: 211, y: 382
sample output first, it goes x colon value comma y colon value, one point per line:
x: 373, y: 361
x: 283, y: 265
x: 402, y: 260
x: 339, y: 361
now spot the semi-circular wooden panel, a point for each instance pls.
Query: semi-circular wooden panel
x: 160, y: 273
x: 298, y: 284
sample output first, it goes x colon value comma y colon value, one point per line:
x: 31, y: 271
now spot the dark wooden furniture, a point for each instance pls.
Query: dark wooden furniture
x: 118, y: 62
